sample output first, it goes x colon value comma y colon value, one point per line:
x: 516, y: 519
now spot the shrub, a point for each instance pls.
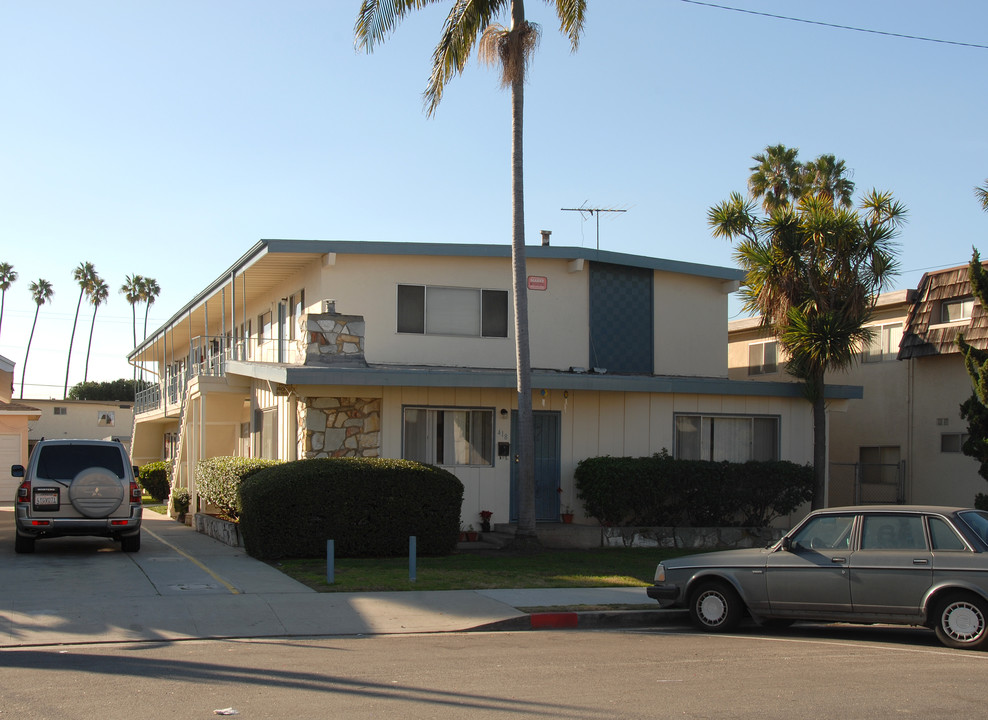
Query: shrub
x: 181, y: 499
x: 661, y: 490
x: 981, y: 501
x: 368, y: 506
x: 218, y: 480
x: 156, y: 480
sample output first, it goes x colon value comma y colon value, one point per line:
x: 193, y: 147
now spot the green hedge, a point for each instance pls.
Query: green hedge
x: 218, y: 480
x: 368, y: 506
x: 663, y: 491
x: 156, y: 479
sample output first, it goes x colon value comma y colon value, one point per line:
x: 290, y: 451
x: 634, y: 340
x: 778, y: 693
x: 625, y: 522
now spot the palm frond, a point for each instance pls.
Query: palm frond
x: 377, y: 19
x: 572, y: 15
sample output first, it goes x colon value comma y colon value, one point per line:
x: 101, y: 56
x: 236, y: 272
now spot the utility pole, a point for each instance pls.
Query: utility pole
x: 583, y: 209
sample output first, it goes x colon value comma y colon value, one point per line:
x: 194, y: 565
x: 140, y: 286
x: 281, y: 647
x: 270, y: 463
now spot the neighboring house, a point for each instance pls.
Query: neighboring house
x: 901, y: 442
x: 317, y: 348
x: 14, y: 417
x: 83, y: 419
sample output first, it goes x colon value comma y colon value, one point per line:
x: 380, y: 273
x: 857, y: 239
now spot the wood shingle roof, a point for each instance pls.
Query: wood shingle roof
x: 925, y: 334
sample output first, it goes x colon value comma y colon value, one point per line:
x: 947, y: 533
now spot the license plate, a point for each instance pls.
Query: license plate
x: 46, y: 499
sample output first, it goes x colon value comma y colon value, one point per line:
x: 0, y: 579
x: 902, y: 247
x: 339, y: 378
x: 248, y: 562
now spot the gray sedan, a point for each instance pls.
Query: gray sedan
x: 897, y: 564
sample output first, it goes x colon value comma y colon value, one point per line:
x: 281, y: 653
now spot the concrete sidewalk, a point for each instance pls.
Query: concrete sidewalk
x: 184, y: 585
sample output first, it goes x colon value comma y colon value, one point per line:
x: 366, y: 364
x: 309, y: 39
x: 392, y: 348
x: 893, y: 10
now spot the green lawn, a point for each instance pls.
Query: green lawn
x: 612, y: 567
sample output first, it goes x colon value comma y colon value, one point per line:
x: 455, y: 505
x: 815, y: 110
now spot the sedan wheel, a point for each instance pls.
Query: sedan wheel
x: 962, y: 622
x: 715, y: 607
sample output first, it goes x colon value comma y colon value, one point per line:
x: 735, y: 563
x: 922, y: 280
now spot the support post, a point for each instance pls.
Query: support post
x: 412, y: 542
x: 330, y: 562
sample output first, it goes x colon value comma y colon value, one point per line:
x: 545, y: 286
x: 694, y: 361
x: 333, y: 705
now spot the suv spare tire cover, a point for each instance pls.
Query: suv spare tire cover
x: 96, y: 492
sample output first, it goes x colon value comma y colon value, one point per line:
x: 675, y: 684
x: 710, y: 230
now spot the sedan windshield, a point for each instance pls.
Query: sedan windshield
x: 977, y: 520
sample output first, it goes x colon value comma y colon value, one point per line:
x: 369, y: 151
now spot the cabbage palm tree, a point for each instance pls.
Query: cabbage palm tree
x: 41, y: 291
x: 468, y: 23
x: 814, y: 269
x: 98, y: 294
x: 7, y: 276
x: 84, y: 275
x: 149, y: 293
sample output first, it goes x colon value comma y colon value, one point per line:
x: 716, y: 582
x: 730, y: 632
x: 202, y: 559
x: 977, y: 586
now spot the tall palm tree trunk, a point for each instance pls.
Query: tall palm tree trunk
x: 523, y: 364
x: 68, y: 361
x: 28, y: 350
x: 89, y: 347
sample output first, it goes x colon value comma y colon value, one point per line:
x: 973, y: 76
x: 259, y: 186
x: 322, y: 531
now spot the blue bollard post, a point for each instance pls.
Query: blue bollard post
x: 411, y: 557
x: 330, y: 562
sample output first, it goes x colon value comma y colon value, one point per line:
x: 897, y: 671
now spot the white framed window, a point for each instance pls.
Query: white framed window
x: 952, y: 442
x: 763, y: 358
x: 952, y: 311
x: 884, y: 343
x: 60, y: 410
x: 732, y: 438
x: 448, y: 436
x: 437, y: 310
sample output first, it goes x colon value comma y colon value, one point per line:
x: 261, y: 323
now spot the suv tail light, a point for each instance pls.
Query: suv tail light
x: 24, y: 492
x: 135, y: 493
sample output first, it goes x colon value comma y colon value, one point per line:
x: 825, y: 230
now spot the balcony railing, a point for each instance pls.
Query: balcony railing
x: 208, y: 356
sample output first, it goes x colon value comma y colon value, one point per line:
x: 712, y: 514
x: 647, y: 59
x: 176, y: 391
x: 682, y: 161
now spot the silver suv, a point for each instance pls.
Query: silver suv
x: 77, y: 487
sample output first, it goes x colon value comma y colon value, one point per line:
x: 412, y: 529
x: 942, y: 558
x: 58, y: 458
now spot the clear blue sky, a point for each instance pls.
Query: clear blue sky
x: 166, y: 138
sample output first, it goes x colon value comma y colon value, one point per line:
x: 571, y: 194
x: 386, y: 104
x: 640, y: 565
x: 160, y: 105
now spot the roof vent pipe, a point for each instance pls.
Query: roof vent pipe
x: 545, y: 237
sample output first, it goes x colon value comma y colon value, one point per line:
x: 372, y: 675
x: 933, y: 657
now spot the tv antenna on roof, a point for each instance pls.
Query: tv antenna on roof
x: 584, y: 209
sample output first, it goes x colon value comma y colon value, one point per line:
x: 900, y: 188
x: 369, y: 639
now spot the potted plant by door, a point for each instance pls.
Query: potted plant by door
x: 472, y: 534
x: 485, y: 520
x: 567, y: 515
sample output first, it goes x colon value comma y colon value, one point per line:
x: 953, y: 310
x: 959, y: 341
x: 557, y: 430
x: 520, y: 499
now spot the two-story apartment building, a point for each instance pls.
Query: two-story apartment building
x: 84, y: 419
x: 902, y: 441
x: 14, y: 418
x: 322, y: 348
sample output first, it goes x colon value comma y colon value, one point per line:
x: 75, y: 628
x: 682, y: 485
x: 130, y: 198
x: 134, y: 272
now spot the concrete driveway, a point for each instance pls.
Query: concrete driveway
x: 185, y: 585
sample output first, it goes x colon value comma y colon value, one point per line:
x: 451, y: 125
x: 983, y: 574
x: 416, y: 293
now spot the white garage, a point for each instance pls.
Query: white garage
x: 10, y: 454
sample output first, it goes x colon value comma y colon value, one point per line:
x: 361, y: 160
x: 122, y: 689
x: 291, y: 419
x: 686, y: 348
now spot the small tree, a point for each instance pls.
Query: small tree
x: 814, y: 267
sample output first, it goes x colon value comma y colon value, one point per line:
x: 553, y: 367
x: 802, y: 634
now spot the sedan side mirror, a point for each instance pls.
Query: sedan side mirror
x: 786, y: 544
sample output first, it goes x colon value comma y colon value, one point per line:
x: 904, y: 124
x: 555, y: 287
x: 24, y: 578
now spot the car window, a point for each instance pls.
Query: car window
x: 943, y: 536
x: 825, y: 532
x: 64, y: 462
x: 893, y: 532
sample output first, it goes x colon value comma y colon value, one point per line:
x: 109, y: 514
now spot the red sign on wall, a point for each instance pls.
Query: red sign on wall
x: 538, y: 282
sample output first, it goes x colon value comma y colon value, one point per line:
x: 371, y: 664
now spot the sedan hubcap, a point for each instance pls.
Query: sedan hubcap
x: 963, y: 621
x: 711, y: 608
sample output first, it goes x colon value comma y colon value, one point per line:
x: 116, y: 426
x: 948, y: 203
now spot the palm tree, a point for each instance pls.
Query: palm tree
x: 511, y: 49
x: 149, y: 292
x: 131, y: 290
x: 7, y: 276
x: 982, y: 194
x: 98, y: 294
x: 41, y: 291
x: 777, y: 177
x: 814, y: 270
x: 83, y: 274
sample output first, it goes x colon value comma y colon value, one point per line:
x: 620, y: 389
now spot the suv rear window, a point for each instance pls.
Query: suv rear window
x: 64, y: 462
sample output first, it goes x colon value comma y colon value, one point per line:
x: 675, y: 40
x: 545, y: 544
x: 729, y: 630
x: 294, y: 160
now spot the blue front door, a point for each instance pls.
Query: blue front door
x: 546, y: 425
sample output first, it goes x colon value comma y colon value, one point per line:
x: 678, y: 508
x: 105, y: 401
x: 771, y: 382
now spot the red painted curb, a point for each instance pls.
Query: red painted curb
x: 554, y: 620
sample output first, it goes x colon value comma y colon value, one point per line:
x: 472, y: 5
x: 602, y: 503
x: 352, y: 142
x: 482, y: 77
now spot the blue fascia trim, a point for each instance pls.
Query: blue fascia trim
x: 489, y: 378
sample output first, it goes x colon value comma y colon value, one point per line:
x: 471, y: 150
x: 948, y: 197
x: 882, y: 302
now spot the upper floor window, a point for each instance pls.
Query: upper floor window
x: 61, y: 410
x: 884, y: 343
x: 952, y: 442
x: 956, y: 310
x: 436, y: 310
x: 763, y: 358
x: 264, y: 328
x: 439, y: 436
x: 734, y: 438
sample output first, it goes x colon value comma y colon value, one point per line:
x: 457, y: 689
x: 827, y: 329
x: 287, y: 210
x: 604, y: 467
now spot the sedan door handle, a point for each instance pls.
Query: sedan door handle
x: 839, y: 560
x: 920, y: 561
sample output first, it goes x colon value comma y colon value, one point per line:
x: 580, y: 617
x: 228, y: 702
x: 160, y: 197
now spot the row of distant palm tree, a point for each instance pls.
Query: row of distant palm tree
x: 135, y: 289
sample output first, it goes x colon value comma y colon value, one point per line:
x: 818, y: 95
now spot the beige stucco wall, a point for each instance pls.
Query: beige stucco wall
x: 81, y: 420
x: 690, y: 325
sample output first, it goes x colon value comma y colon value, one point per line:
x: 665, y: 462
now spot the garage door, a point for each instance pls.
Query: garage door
x: 10, y: 454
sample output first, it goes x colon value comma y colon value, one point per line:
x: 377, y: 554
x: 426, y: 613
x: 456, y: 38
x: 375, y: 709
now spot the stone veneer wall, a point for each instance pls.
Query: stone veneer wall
x: 332, y: 339
x: 340, y: 427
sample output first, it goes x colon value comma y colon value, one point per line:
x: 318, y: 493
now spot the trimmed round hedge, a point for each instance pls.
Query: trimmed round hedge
x: 156, y: 478
x: 368, y: 506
